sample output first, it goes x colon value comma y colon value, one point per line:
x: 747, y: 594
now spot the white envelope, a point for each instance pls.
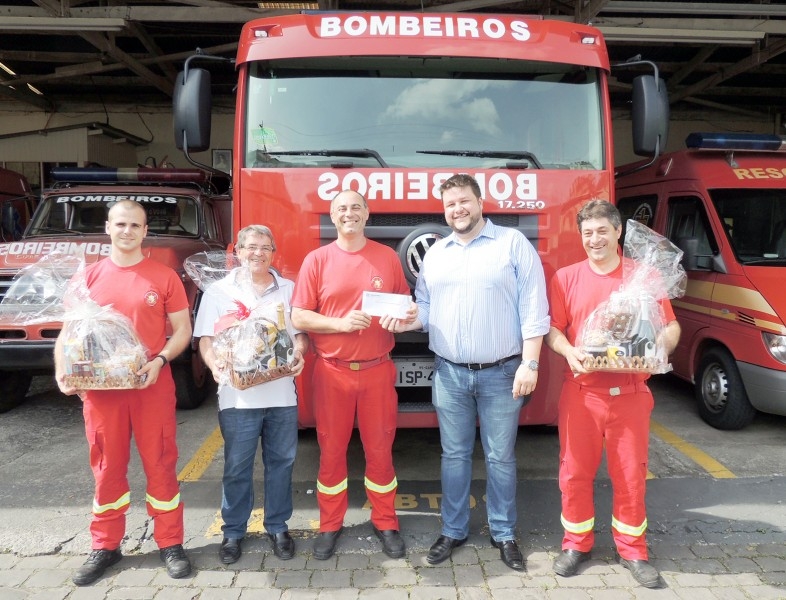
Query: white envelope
x: 378, y: 304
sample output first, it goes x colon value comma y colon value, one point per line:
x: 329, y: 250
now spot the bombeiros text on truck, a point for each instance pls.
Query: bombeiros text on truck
x: 188, y: 211
x: 391, y: 105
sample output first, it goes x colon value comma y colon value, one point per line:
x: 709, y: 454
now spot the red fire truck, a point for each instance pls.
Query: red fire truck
x: 391, y: 105
x: 187, y: 213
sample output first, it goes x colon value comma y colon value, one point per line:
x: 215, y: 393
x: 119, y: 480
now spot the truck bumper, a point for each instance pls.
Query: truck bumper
x: 766, y: 388
x: 27, y: 356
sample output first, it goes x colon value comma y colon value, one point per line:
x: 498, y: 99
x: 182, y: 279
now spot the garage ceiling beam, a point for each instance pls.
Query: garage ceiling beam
x: 696, y: 8
x: 757, y: 58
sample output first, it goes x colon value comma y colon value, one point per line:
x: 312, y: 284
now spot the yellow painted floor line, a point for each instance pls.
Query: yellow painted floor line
x: 202, y: 458
x: 704, y: 460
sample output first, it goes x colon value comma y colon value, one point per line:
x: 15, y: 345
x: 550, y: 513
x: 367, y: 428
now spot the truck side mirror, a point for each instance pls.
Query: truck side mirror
x: 690, y: 249
x: 649, y: 115
x: 192, y: 108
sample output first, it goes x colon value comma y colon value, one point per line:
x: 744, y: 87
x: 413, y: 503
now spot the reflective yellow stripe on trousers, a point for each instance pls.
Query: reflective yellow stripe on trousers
x: 163, y: 505
x: 577, y: 528
x: 381, y: 489
x: 124, y: 500
x: 332, y: 491
x: 629, y: 529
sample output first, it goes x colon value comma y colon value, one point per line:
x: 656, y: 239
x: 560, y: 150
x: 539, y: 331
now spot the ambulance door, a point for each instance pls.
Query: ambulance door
x: 688, y: 226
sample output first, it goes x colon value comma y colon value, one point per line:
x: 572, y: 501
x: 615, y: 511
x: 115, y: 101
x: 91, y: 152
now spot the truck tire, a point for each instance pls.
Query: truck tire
x: 192, y: 380
x: 14, y: 386
x: 723, y: 402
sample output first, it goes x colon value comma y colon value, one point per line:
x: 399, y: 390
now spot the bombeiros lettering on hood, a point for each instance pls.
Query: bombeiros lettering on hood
x: 423, y: 26
x: 117, y: 198
x: 413, y: 185
x: 37, y: 249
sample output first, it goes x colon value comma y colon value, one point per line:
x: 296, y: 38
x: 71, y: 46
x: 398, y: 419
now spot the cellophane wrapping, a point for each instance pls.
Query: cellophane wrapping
x: 100, y: 349
x: 623, y: 333
x: 253, y: 344
x: 36, y: 293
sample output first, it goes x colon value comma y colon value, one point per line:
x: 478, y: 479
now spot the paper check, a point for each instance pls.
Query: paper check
x: 378, y: 304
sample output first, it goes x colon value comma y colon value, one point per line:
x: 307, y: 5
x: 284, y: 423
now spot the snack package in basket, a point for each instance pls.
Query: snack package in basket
x: 622, y: 334
x: 253, y: 343
x: 101, y: 350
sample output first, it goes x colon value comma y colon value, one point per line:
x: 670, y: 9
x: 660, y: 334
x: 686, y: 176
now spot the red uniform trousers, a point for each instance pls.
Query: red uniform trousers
x: 111, y: 417
x: 588, y: 418
x: 339, y: 395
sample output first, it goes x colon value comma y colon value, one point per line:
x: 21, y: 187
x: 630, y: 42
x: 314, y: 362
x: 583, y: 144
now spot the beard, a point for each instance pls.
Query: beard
x: 473, y: 221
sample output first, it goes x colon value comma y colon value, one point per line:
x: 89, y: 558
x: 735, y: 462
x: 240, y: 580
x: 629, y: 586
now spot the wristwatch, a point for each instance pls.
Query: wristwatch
x: 531, y: 365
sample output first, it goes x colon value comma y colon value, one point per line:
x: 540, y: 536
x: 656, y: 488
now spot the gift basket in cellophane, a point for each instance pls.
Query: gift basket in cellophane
x: 101, y: 351
x: 252, y: 343
x: 622, y: 334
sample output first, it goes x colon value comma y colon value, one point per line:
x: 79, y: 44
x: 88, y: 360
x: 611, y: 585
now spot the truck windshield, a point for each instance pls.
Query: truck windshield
x: 423, y: 112
x: 74, y: 215
x: 755, y: 223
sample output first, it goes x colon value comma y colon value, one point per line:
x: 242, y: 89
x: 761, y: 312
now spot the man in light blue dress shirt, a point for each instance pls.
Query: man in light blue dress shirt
x: 481, y: 296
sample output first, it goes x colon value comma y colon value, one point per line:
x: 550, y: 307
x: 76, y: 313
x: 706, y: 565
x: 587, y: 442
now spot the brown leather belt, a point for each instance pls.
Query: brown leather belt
x: 356, y: 365
x: 481, y: 366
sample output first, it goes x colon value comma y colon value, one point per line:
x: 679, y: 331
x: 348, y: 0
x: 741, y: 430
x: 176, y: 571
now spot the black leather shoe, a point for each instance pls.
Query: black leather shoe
x: 442, y: 549
x: 176, y: 561
x: 230, y: 550
x: 567, y: 563
x: 283, y: 545
x: 325, y: 544
x: 97, y: 562
x: 392, y: 544
x: 643, y: 572
x: 510, y: 554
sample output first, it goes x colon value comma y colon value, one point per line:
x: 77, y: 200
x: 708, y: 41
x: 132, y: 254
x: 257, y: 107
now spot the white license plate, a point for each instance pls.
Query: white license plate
x: 414, y: 372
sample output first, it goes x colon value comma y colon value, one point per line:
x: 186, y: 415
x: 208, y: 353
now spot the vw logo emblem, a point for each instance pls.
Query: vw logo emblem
x: 417, y: 249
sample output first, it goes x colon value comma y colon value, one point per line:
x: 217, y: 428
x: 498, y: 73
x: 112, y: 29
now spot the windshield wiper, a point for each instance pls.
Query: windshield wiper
x: 42, y: 230
x: 773, y: 260
x: 352, y: 153
x: 511, y: 154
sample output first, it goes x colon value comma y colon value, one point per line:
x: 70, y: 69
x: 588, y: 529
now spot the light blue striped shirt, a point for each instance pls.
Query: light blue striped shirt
x: 479, y: 301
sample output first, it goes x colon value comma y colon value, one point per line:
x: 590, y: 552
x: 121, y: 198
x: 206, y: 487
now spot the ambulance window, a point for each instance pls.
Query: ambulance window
x: 639, y: 208
x: 688, y: 221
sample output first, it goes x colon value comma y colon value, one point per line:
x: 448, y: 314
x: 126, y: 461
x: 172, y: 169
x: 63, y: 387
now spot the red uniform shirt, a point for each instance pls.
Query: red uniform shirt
x: 576, y: 291
x: 331, y: 282
x: 144, y: 292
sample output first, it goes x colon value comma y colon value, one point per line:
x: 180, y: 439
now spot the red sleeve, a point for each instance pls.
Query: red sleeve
x: 559, y: 313
x: 305, y: 293
x: 177, y: 299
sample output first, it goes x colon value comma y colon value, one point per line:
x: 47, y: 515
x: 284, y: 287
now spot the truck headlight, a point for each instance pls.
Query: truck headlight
x: 776, y: 344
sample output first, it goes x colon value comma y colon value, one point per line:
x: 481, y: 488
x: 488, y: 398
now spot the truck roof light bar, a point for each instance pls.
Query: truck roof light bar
x: 736, y: 141
x: 142, y: 175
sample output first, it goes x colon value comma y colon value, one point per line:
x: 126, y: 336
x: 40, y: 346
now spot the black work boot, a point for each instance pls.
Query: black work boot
x: 97, y: 562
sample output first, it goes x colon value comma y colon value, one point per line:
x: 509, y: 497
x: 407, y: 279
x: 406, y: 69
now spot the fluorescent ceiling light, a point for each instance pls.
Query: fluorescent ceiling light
x: 61, y: 24
x: 680, y: 36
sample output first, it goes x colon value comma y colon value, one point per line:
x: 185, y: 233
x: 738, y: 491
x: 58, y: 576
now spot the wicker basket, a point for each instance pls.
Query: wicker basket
x: 79, y: 382
x: 626, y: 364
x: 245, y: 379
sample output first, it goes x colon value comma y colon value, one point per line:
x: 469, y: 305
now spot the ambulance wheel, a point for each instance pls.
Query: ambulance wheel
x: 720, y: 393
x: 14, y: 385
x: 192, y: 380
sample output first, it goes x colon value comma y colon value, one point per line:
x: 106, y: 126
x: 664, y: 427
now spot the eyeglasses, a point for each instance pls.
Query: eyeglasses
x: 255, y: 249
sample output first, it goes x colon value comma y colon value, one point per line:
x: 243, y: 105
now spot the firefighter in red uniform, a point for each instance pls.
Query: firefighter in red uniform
x: 148, y: 293
x: 601, y: 408
x: 354, y: 376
